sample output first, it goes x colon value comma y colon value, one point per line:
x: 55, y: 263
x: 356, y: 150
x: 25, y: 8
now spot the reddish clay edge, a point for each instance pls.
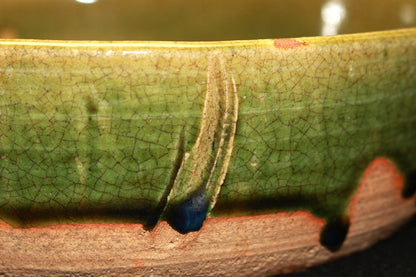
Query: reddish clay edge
x: 381, y: 162
x: 215, y: 227
x: 288, y: 43
x: 4, y: 225
x: 378, y: 162
x: 163, y: 225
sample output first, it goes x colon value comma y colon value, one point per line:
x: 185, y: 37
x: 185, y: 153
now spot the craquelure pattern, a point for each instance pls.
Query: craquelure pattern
x: 145, y: 132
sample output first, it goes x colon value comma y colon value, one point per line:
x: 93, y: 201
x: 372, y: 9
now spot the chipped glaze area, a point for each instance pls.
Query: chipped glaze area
x: 287, y: 43
x: 143, y: 132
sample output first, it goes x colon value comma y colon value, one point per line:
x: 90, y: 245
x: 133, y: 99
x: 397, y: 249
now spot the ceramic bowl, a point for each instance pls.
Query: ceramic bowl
x: 190, y: 138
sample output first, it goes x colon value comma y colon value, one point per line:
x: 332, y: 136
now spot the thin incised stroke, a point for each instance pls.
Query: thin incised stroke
x: 228, y: 130
x: 180, y: 158
x: 204, y: 168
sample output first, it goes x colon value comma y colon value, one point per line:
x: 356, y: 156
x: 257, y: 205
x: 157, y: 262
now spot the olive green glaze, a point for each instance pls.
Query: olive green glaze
x: 123, y: 131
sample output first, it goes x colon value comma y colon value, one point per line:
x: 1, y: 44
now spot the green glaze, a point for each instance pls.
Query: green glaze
x: 126, y: 131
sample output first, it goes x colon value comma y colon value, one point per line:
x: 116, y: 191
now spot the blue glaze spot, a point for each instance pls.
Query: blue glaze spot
x: 333, y: 235
x: 189, y: 215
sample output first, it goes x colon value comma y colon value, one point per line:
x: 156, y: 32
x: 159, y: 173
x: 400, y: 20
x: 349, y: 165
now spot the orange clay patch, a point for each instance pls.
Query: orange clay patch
x: 288, y: 43
x: 4, y: 225
x: 377, y: 208
x: 380, y: 171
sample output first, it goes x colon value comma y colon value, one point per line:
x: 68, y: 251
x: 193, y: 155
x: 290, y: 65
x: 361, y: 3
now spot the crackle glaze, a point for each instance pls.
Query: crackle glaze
x: 185, y: 133
x: 137, y: 130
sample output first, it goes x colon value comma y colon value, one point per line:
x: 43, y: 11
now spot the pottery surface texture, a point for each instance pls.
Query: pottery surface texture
x: 242, y: 157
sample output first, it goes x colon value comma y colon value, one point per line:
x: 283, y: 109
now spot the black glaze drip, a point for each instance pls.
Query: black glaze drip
x: 334, y: 234
x: 410, y: 185
x: 128, y: 213
x: 273, y: 204
x: 190, y: 214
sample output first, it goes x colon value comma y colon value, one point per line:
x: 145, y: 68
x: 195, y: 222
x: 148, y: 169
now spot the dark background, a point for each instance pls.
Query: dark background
x: 394, y: 256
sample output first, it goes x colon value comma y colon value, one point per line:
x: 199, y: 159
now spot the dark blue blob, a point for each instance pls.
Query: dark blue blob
x: 333, y: 234
x: 410, y: 185
x: 189, y: 215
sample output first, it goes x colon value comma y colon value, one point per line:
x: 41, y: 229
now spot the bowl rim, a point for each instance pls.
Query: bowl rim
x: 277, y: 42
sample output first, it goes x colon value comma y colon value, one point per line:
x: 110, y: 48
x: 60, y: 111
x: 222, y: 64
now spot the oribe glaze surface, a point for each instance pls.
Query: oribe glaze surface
x: 144, y: 132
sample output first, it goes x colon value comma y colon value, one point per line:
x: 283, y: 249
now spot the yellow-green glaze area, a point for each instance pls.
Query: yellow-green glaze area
x: 130, y: 131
